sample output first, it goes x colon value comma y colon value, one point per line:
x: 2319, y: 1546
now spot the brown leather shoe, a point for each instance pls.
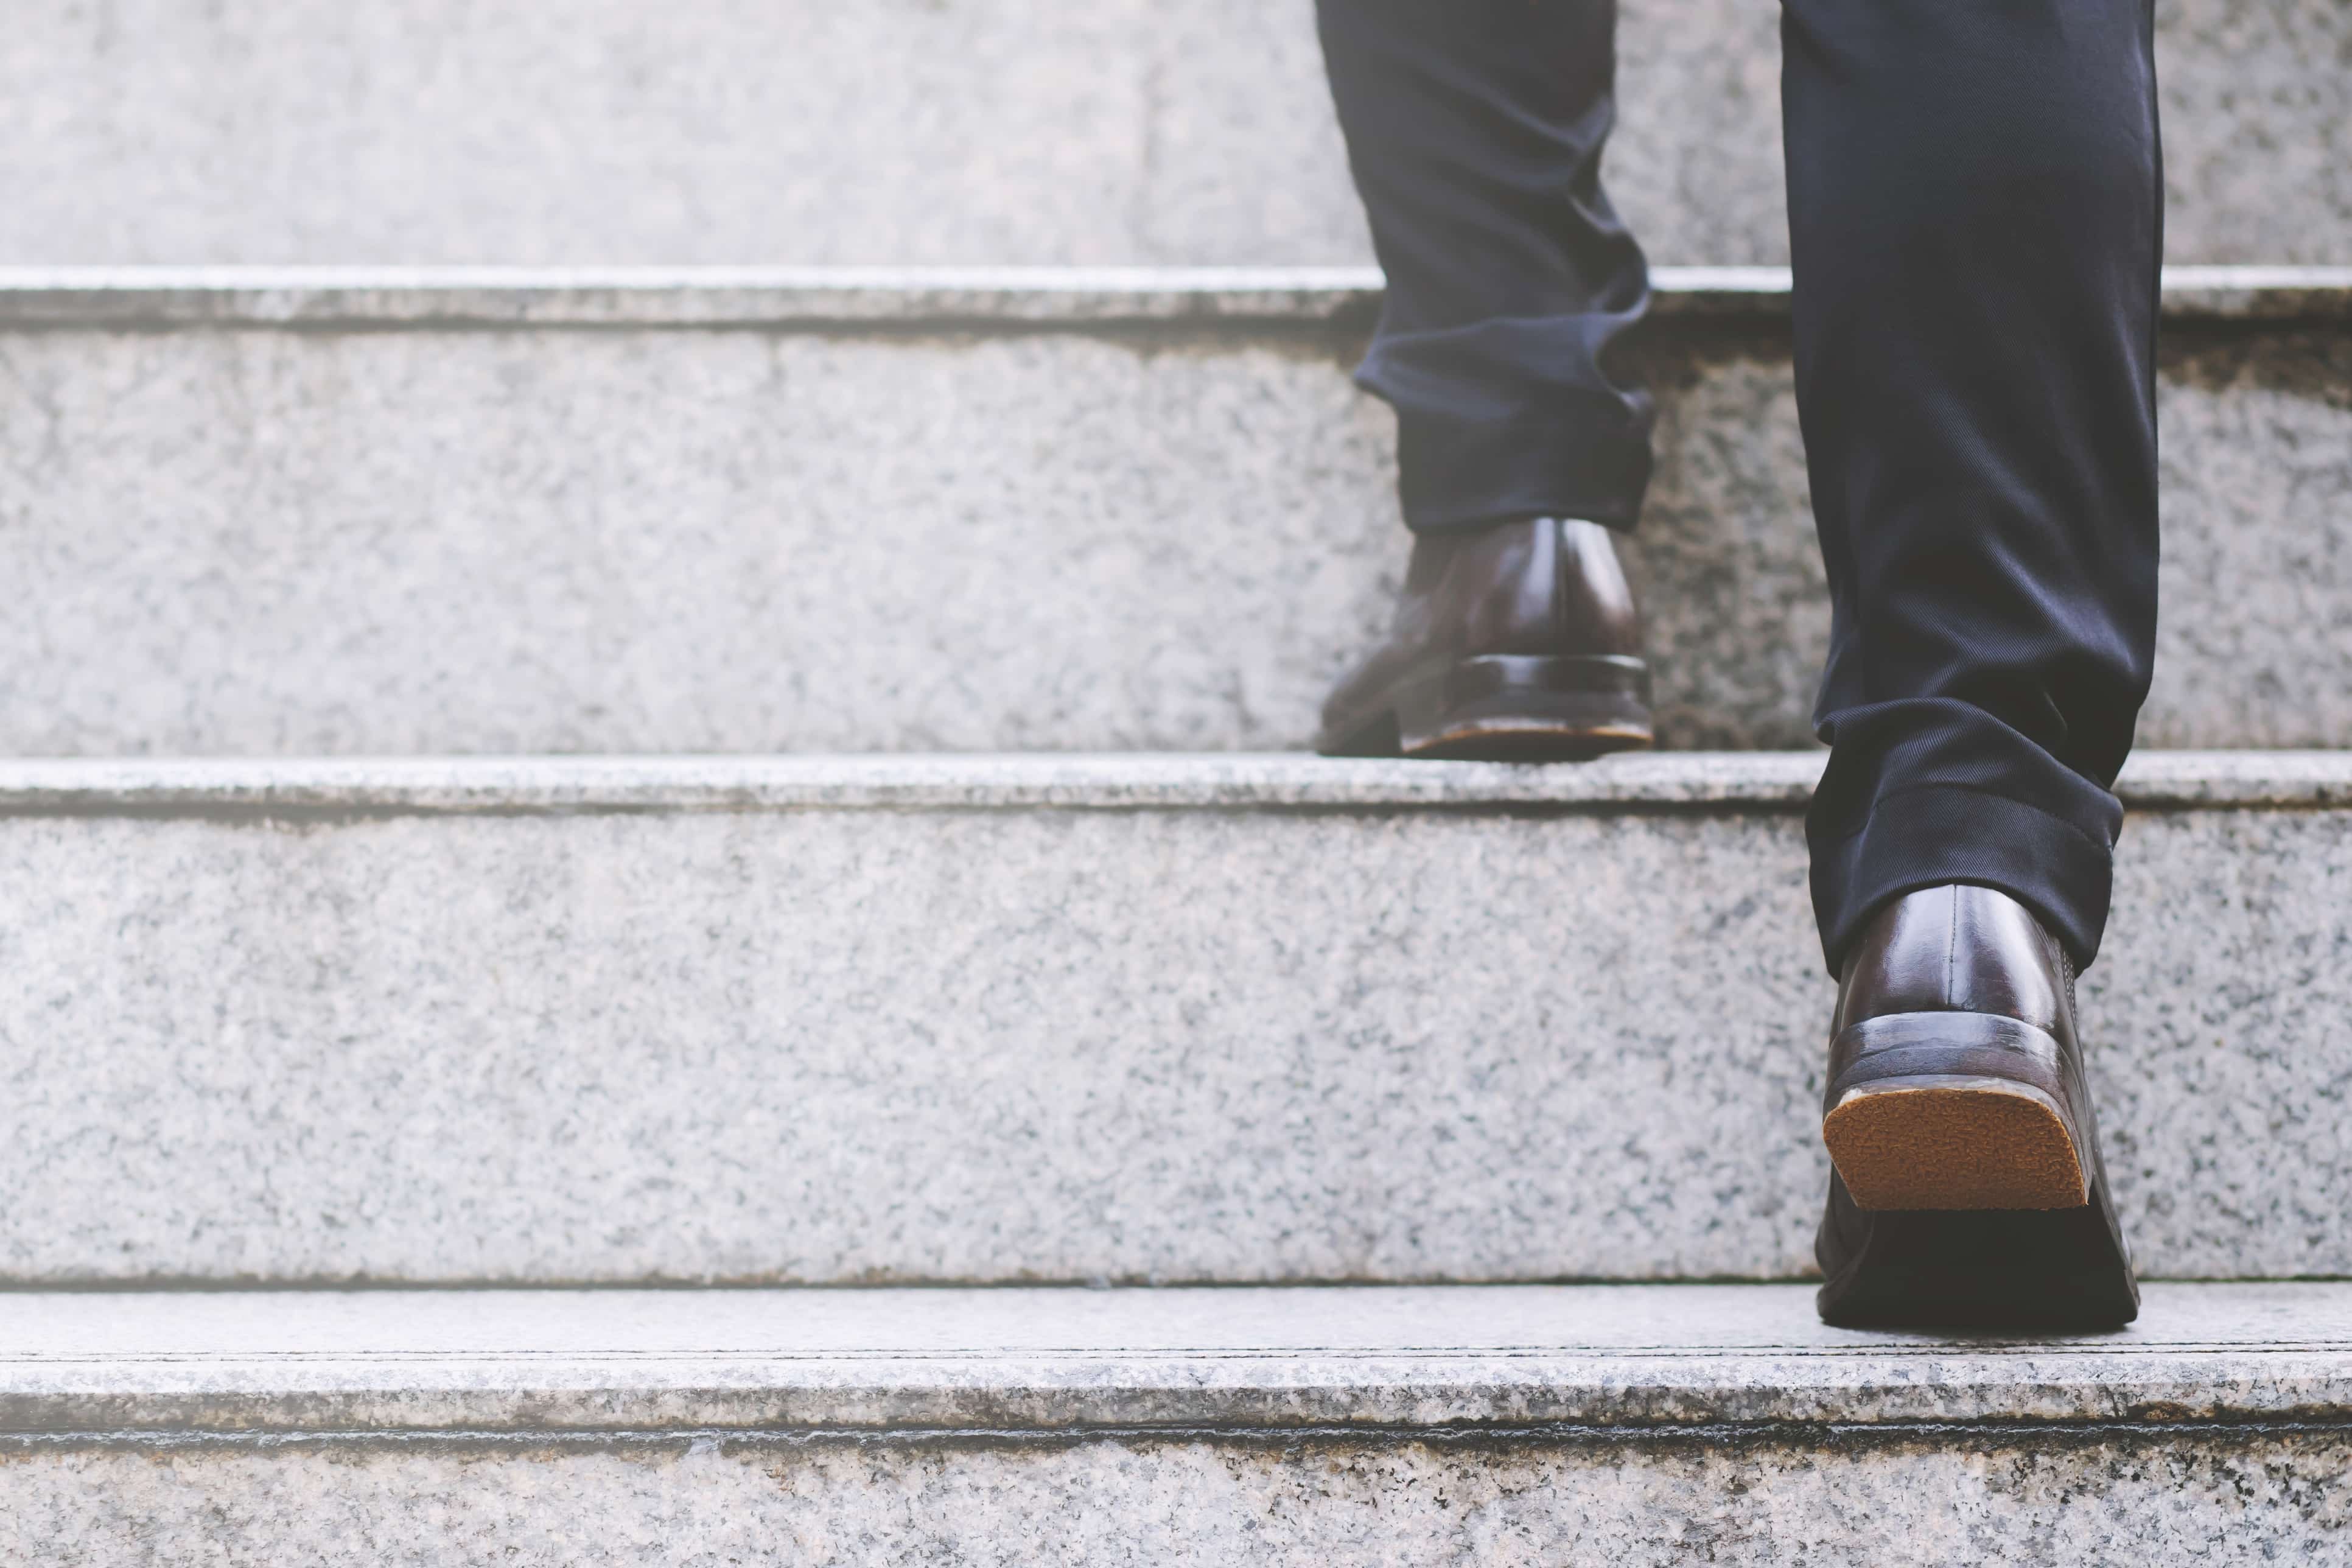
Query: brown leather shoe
x: 1518, y: 642
x: 1967, y: 1188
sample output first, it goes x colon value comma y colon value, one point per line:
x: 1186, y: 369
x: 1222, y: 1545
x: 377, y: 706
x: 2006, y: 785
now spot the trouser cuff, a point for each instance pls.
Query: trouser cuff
x: 1931, y: 835
x: 1456, y: 474
x: 1510, y: 418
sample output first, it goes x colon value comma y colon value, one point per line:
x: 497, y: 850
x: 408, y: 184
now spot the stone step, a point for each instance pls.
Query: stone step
x: 319, y: 512
x: 1002, y: 130
x: 986, y: 1020
x: 1569, y: 1425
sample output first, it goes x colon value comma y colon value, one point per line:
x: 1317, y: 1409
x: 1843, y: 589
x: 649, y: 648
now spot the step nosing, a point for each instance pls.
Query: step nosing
x: 1775, y: 1431
x: 1270, y: 782
x: 859, y: 297
x: 1098, y: 1363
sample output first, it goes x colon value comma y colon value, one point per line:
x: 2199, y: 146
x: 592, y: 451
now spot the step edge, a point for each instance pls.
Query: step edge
x: 490, y: 297
x: 1767, y: 781
x: 649, y: 1365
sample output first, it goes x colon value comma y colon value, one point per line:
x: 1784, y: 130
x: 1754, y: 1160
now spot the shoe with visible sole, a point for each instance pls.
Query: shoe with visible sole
x: 1968, y: 1191
x: 1515, y: 642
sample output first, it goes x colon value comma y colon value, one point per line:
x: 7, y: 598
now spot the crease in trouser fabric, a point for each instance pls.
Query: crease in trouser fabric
x: 1974, y: 215
x: 1975, y: 221
x: 1474, y: 129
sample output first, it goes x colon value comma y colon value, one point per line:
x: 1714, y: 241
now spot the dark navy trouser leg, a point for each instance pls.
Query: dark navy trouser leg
x: 1475, y: 129
x: 1974, y: 211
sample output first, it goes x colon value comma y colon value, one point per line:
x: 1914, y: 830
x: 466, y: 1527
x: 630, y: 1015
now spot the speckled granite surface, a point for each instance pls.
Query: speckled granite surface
x: 99, y: 1366
x: 1359, y: 1426
x: 343, y: 788
x: 1265, y: 1020
x: 2141, y: 1498
x: 984, y: 131
x: 976, y: 297
x: 331, y: 789
x: 318, y: 542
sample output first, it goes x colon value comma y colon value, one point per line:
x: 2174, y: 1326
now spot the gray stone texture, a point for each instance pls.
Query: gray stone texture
x: 246, y: 789
x: 2126, y: 1499
x: 1153, y: 1027
x: 1029, y: 1362
x: 2147, y: 1498
x: 233, y: 540
x: 944, y: 131
x: 1516, y: 1425
x: 376, y: 298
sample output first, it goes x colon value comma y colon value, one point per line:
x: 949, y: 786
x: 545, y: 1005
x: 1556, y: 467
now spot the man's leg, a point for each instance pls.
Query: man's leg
x: 1973, y: 210
x: 1975, y: 205
x: 1475, y: 129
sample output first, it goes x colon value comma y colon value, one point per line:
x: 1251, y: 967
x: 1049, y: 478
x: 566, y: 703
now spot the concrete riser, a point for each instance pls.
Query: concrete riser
x: 259, y: 541
x: 2145, y: 1498
x: 986, y: 131
x: 989, y: 1044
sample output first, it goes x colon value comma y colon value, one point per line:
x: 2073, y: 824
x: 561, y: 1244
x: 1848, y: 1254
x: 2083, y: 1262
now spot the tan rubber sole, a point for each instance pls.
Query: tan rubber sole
x: 1971, y: 1143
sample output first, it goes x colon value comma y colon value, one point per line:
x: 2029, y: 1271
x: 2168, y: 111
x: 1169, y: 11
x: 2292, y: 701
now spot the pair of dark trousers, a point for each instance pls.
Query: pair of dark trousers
x: 1974, y: 215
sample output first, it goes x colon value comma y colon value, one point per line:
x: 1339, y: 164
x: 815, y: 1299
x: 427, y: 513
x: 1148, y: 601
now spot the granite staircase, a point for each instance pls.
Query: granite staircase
x: 658, y: 910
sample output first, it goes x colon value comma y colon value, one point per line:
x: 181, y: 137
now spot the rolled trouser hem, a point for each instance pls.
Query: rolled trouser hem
x: 1464, y: 479
x: 1930, y: 836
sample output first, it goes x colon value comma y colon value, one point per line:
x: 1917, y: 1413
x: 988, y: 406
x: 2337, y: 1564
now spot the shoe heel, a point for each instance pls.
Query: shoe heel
x: 1527, y: 708
x: 2044, y: 1270
x: 1954, y: 1111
